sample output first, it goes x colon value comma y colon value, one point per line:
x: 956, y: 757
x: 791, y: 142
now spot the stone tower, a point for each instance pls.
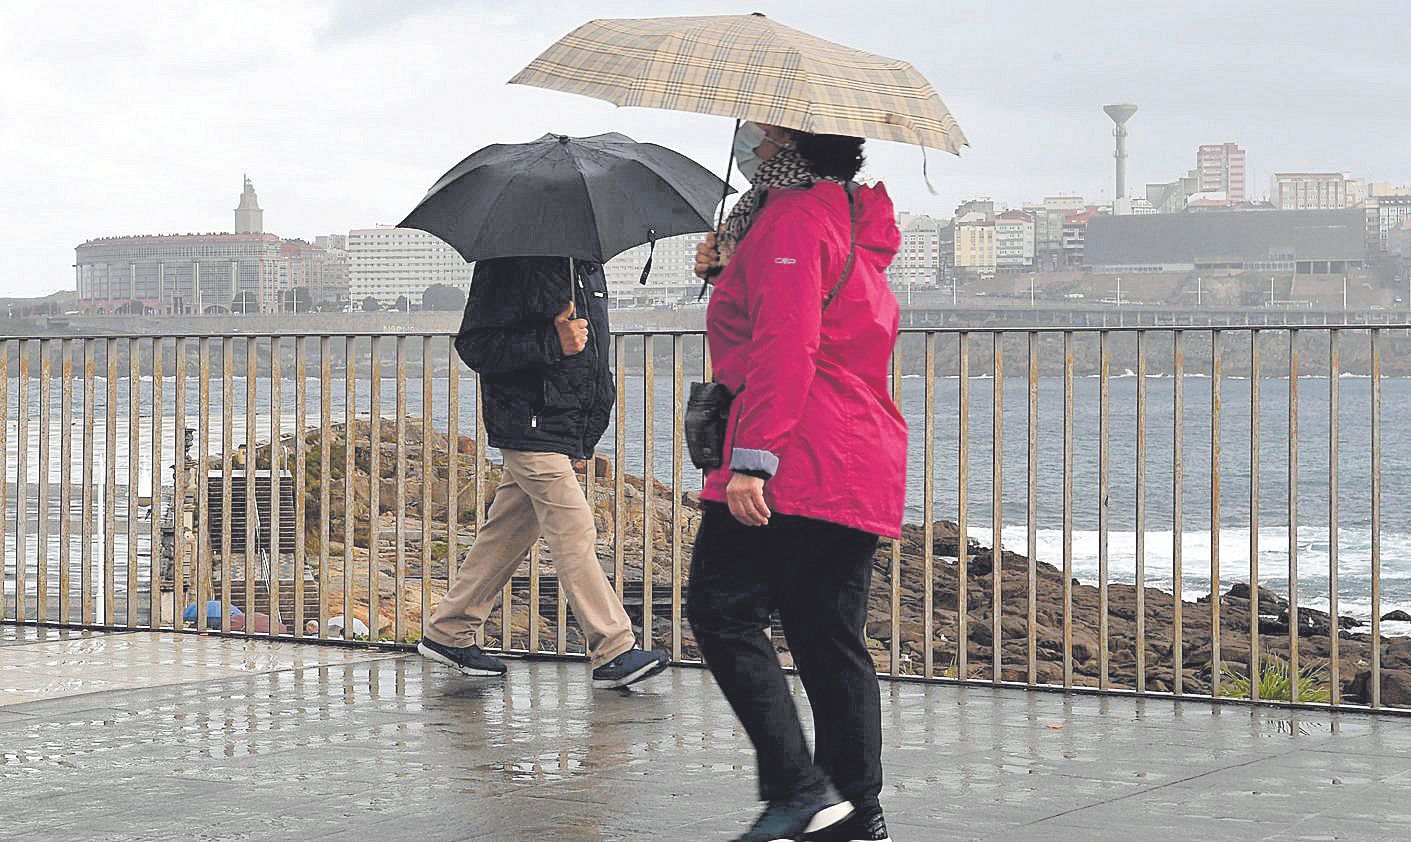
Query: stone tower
x: 249, y: 219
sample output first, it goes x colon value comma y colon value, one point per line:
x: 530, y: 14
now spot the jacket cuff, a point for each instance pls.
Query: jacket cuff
x: 761, y: 461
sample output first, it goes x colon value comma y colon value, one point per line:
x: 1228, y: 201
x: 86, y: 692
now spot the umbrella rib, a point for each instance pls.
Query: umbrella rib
x: 592, y: 209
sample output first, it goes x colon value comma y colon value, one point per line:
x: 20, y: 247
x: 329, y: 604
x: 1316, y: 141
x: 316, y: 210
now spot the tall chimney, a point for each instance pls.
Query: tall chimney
x: 1120, y: 114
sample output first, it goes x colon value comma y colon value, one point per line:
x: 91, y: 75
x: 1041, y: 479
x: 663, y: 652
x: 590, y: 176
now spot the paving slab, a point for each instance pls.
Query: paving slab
x: 221, y: 739
x: 42, y: 664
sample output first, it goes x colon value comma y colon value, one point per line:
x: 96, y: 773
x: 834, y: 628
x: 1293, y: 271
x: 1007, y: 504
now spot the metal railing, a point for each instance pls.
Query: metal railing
x: 388, y: 493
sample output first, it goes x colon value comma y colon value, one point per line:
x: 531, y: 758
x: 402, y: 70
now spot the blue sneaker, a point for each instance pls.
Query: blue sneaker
x: 809, y: 812
x: 628, y: 668
x: 470, y: 660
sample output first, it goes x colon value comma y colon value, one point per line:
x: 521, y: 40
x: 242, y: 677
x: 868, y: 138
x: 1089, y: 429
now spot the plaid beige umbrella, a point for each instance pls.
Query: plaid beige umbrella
x: 751, y: 68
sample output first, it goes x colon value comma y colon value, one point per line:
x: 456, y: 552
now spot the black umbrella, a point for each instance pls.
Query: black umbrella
x: 589, y: 198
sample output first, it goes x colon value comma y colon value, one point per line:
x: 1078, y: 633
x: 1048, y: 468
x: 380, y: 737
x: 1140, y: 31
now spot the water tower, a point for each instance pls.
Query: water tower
x: 1120, y: 114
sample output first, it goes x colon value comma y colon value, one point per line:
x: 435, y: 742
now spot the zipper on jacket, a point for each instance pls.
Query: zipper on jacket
x: 593, y: 380
x: 534, y: 422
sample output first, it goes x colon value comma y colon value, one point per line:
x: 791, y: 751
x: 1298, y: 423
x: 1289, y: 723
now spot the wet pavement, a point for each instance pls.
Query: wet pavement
x: 151, y: 736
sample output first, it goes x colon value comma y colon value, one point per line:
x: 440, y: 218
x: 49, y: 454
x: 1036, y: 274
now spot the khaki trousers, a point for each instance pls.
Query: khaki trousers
x: 539, y: 495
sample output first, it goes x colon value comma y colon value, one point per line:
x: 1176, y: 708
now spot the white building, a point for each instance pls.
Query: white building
x: 1137, y: 206
x: 919, y: 261
x: 1014, y: 240
x: 386, y: 263
x: 673, y: 278
x: 1312, y: 191
x: 1392, y: 214
x: 975, y: 244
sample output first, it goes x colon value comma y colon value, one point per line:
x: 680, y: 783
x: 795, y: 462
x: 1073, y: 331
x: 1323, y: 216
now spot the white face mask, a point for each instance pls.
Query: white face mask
x: 747, y: 139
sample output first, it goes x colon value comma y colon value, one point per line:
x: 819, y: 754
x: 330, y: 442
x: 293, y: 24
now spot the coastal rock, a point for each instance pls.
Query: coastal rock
x: 1396, y: 688
x: 1396, y: 617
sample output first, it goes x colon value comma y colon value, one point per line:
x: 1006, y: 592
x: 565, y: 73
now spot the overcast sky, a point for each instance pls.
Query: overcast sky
x: 136, y: 118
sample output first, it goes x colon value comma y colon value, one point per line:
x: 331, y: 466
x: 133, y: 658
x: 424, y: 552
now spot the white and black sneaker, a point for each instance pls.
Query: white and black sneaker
x: 866, y: 825
x: 628, y: 668
x: 810, y: 812
x: 470, y: 660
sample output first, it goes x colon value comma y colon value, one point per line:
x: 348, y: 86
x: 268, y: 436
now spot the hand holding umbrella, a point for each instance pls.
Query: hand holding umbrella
x: 573, y: 331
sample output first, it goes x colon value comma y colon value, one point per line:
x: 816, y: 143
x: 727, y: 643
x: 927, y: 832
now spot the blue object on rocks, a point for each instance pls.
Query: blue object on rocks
x: 212, y: 612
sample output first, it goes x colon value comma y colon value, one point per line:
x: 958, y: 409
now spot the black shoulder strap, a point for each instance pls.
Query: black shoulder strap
x: 852, y: 245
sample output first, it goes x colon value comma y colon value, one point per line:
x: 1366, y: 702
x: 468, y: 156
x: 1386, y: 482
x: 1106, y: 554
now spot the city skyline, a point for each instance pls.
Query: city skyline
x: 340, y: 110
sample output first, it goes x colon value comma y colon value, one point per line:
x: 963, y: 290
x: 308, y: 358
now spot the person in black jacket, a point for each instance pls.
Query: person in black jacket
x: 536, y: 330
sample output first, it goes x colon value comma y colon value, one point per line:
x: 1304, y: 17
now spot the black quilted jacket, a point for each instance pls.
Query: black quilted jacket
x: 534, y: 398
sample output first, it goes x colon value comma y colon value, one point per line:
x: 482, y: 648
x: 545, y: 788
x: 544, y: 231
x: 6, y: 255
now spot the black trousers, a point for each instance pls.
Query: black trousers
x: 817, y: 576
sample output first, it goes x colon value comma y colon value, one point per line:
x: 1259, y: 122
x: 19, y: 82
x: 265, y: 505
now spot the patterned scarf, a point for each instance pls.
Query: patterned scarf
x: 786, y: 169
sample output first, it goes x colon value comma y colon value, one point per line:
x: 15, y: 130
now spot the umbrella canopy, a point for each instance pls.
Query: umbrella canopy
x: 590, y: 198
x: 750, y: 68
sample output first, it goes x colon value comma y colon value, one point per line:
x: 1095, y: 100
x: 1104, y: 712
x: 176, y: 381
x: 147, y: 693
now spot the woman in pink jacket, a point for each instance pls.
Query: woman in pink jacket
x: 801, y: 327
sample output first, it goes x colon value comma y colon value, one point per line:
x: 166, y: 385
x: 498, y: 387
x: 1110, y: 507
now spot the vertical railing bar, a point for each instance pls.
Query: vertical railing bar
x: 41, y: 526
x: 1334, y: 424
x: 251, y: 488
x: 561, y: 595
x: 535, y: 595
x: 110, y: 500
x: 1068, y: 508
x: 66, y: 481
x: 154, y: 572
x: 276, y: 468
x: 1376, y: 448
x: 1178, y: 404
x: 1255, y: 493
x: 325, y: 476
x: 134, y: 448
x: 374, y: 478
x: 88, y: 528
x: 997, y: 508
x: 928, y: 516
x: 301, y: 481
x: 227, y: 467
x: 479, y: 471
x: 22, y: 482
x: 1103, y: 512
x: 5, y: 347
x: 428, y: 470
x: 399, y: 472
x: 619, y: 468
x: 1140, y: 490
x: 201, y: 578
x: 648, y: 482
x: 894, y: 575
x: 708, y: 374
x: 1216, y: 399
x: 677, y: 401
x: 962, y: 604
x: 453, y: 424
x: 1032, y: 511
x: 1294, y: 672
x: 179, y: 489
x: 350, y: 423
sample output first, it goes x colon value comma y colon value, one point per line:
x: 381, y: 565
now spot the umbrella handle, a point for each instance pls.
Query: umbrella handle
x: 720, y: 216
x: 729, y: 165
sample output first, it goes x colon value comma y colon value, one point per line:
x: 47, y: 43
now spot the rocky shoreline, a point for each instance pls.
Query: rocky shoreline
x: 1316, y: 630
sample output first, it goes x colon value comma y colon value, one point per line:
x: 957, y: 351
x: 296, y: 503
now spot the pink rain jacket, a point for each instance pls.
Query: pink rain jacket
x: 813, y: 407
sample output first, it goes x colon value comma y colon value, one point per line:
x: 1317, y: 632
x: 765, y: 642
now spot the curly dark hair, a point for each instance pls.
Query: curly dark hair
x: 830, y: 155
